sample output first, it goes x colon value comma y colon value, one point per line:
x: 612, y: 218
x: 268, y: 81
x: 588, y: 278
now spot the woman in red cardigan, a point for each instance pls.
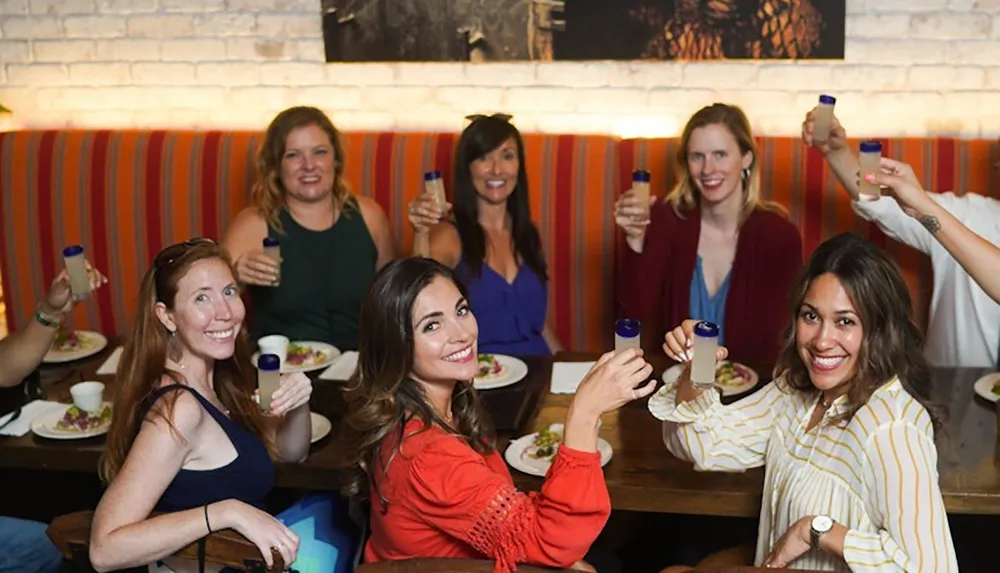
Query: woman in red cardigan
x: 421, y: 448
x: 713, y: 250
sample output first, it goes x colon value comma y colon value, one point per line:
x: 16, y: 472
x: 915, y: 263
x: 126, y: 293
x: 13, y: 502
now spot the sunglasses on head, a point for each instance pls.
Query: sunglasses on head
x: 170, y: 254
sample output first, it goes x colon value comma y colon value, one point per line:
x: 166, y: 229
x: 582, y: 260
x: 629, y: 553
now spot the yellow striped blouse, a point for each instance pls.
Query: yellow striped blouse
x: 877, y: 475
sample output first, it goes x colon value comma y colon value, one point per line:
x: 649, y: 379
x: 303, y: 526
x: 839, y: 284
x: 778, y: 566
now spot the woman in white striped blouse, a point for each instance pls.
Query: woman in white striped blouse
x: 845, y: 432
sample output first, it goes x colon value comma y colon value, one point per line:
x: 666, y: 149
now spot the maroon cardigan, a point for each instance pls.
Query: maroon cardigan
x: 655, y: 286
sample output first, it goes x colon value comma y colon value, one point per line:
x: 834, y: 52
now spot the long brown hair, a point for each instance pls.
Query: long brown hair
x: 381, y: 397
x: 685, y: 196
x: 891, y: 339
x: 268, y: 194
x: 143, y: 362
x: 482, y: 136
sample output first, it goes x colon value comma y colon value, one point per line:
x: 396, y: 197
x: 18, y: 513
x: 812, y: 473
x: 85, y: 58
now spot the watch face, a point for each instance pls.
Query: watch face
x: 822, y: 523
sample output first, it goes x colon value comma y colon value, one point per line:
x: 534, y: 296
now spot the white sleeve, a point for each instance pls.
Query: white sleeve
x: 722, y: 438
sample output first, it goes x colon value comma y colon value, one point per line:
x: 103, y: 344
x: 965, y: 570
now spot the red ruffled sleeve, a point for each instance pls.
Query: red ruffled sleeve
x: 454, y: 490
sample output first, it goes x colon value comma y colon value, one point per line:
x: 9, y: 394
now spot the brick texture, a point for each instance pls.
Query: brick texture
x: 911, y: 68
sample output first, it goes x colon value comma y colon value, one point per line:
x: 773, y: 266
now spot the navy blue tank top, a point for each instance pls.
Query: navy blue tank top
x: 248, y: 478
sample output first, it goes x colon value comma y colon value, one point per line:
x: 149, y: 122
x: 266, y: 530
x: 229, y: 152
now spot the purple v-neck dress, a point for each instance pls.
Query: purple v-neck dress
x: 511, y: 316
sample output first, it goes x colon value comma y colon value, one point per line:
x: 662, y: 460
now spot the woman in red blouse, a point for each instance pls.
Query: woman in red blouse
x: 421, y: 447
x: 713, y: 250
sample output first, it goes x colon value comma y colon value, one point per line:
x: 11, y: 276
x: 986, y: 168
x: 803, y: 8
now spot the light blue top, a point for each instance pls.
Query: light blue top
x: 708, y: 308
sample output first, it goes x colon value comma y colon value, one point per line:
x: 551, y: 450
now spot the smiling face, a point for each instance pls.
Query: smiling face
x: 828, y: 333
x: 307, y: 166
x: 207, y: 311
x: 715, y: 164
x: 494, y: 175
x: 444, y: 334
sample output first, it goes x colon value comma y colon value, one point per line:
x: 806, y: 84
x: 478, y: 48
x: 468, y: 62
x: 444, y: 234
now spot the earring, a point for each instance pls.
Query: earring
x: 746, y: 173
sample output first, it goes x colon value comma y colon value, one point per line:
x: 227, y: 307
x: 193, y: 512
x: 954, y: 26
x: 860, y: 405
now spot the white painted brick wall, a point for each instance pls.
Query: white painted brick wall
x: 911, y: 68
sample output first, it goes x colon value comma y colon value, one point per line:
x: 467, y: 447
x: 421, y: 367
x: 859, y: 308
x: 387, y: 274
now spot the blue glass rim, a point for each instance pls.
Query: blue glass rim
x: 871, y: 147
x: 432, y: 175
x: 269, y: 362
x: 627, y: 327
x: 640, y: 175
x: 705, y: 329
x: 72, y: 251
x: 828, y: 100
x: 271, y: 242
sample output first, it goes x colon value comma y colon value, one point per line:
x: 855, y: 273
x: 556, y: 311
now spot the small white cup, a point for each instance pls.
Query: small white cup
x: 274, y: 344
x: 88, y: 396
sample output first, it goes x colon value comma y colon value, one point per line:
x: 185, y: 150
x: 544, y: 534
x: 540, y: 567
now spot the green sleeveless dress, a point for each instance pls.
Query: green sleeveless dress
x: 324, y: 276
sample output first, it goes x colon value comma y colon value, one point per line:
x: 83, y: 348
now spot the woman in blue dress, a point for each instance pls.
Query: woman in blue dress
x: 491, y: 241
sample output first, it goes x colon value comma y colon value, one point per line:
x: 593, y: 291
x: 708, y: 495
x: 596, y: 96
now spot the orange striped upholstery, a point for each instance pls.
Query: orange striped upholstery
x: 799, y: 179
x: 126, y: 194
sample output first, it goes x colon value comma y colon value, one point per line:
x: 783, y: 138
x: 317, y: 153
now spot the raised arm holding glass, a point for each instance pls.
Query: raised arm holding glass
x: 964, y: 323
x: 714, y: 250
x: 187, y: 437
x: 845, y: 432
x: 421, y: 447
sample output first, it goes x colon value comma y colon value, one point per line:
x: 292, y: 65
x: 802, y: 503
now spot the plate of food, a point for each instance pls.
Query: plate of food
x: 732, y: 378
x: 988, y: 387
x: 72, y: 423
x: 306, y: 356
x: 320, y: 427
x: 70, y: 345
x: 532, y: 454
x: 498, y: 370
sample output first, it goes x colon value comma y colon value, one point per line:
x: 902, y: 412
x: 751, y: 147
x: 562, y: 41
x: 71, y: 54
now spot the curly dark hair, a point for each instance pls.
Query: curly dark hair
x: 892, y: 341
x: 381, y: 395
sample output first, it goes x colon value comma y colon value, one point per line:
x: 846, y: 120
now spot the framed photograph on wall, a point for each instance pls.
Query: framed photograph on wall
x: 548, y: 30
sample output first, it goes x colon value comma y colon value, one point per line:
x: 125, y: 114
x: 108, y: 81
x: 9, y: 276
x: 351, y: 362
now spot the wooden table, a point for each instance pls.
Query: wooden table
x: 641, y: 476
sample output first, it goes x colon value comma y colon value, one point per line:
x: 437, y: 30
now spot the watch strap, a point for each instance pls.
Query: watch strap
x: 46, y: 319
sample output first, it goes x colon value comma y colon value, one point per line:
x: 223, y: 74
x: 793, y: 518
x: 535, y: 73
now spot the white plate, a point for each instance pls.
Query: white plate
x: 332, y: 353
x: 539, y: 467
x: 739, y: 386
x: 321, y: 426
x: 93, y: 342
x: 512, y: 371
x: 984, y: 386
x: 45, y: 426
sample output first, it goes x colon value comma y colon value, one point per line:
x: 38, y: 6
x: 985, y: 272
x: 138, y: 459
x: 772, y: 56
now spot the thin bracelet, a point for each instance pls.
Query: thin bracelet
x: 207, y: 524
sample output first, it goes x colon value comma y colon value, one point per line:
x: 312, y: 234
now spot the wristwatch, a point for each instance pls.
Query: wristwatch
x: 820, y: 524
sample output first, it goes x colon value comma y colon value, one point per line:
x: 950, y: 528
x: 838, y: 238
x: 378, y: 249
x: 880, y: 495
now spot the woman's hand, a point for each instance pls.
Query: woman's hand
x: 632, y: 215
x: 293, y: 392
x: 792, y: 545
x: 262, y: 529
x: 256, y: 268
x: 679, y: 342
x: 425, y: 212
x: 838, y: 136
x: 902, y: 183
x: 611, y: 382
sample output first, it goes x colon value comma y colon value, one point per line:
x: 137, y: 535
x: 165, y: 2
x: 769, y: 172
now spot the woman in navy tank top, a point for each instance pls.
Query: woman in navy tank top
x: 492, y: 243
x: 186, y: 436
